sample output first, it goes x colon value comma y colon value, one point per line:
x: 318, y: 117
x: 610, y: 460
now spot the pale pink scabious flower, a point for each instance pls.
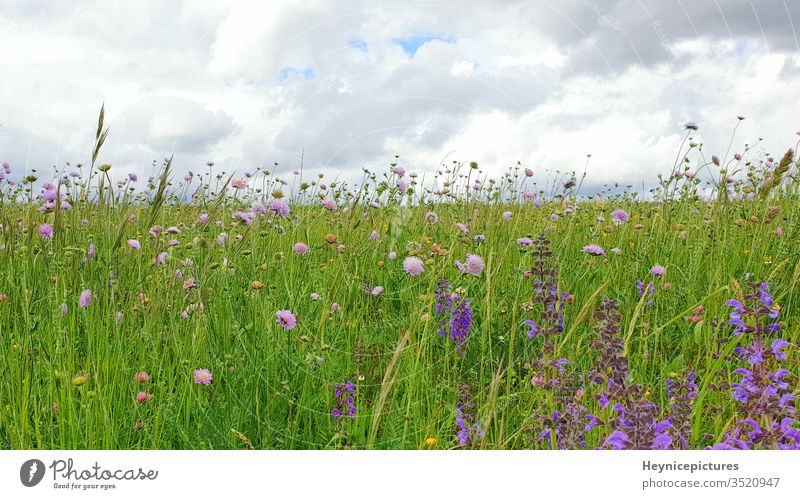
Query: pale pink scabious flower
x: 525, y: 241
x: 463, y: 228
x: 141, y: 377
x: 330, y: 204
x: 658, y: 270
x: 238, y: 183
x: 779, y: 231
x: 375, y: 204
x: 144, y: 397
x: 473, y: 265
x: 620, y: 216
x: 161, y: 258
x: 392, y: 255
x: 203, y: 377
x: 279, y: 207
x: 204, y: 218
x: 507, y: 215
x: 190, y: 283
x: 528, y: 172
x: 376, y: 291
x: 373, y: 236
x: 413, y: 266
x: 335, y: 307
x: 314, y: 296
x: 221, y: 239
x: 85, y: 298
x: 286, y: 319
x: 300, y: 248
x: 134, y: 244
x: 46, y: 231
x: 173, y: 230
x: 594, y: 250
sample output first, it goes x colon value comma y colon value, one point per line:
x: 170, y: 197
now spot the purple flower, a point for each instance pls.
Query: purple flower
x: 330, y: 204
x: 431, y: 217
x: 525, y: 241
x: 532, y: 328
x: 594, y: 249
x: 85, y: 299
x: 658, y: 270
x: 286, y: 319
x: 473, y: 265
x: 134, y: 244
x: 620, y: 216
x: 46, y: 231
x: 413, y: 266
x: 279, y: 207
x: 300, y: 248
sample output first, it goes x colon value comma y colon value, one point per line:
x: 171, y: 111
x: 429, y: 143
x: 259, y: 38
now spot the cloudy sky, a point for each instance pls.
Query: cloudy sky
x: 348, y: 84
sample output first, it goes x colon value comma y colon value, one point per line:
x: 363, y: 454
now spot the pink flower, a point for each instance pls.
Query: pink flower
x: 141, y: 377
x: 392, y: 255
x: 413, y: 266
x: 239, y: 183
x: 144, y: 397
x: 286, y: 319
x: 373, y: 236
x: 528, y: 172
x: 134, y: 244
x: 300, y: 248
x: 330, y: 204
x: 203, y: 377
x: 463, y: 228
x: 779, y: 231
x: 507, y: 215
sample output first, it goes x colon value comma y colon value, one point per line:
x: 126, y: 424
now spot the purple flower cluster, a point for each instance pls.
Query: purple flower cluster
x: 767, y: 412
x: 546, y: 293
x: 345, y: 401
x: 682, y: 390
x: 467, y: 428
x: 455, y: 315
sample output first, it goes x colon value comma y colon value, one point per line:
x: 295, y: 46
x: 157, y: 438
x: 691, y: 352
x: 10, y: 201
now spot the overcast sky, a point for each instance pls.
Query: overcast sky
x: 352, y: 83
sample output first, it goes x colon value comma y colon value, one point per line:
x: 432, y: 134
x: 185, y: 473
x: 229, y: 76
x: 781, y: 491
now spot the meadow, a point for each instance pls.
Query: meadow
x: 280, y: 309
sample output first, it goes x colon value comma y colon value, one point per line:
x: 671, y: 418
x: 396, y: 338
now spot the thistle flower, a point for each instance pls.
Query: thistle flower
x: 286, y: 319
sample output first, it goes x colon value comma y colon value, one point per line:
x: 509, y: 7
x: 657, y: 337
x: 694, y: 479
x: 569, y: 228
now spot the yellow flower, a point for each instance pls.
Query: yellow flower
x: 430, y: 441
x: 746, y: 251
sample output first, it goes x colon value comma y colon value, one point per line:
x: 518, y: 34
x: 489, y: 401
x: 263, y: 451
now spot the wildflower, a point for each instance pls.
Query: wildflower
x: 413, y: 266
x: 657, y: 270
x: 161, y: 258
x: 528, y: 172
x: 594, y: 250
x: 238, y: 183
x: 345, y: 401
x: 779, y: 231
x: 431, y: 217
x: 507, y: 215
x: 431, y: 441
x: 314, y: 296
x: 203, y: 377
x: 144, y: 397
x: 190, y: 283
x: 463, y: 228
x: 330, y: 204
x: 532, y: 328
x: 690, y: 125
x: 373, y: 236
x: 46, y: 231
x: 203, y: 218
x: 525, y: 241
x: 85, y: 298
x: 279, y: 207
x: 141, y: 377
x: 392, y: 255
x: 620, y: 216
x: 300, y: 248
x: 472, y: 265
x: 64, y: 309
x: 286, y: 319
x: 134, y: 244
x: 455, y: 315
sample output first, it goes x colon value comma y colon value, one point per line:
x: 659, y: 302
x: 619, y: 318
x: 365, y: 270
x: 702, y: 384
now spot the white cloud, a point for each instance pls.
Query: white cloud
x: 495, y: 82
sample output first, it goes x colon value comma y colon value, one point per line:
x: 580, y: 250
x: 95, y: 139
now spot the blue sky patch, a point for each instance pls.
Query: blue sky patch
x: 410, y: 44
x: 358, y: 44
x: 308, y: 73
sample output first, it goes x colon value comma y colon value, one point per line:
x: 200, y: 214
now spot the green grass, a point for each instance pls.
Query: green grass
x: 274, y: 388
